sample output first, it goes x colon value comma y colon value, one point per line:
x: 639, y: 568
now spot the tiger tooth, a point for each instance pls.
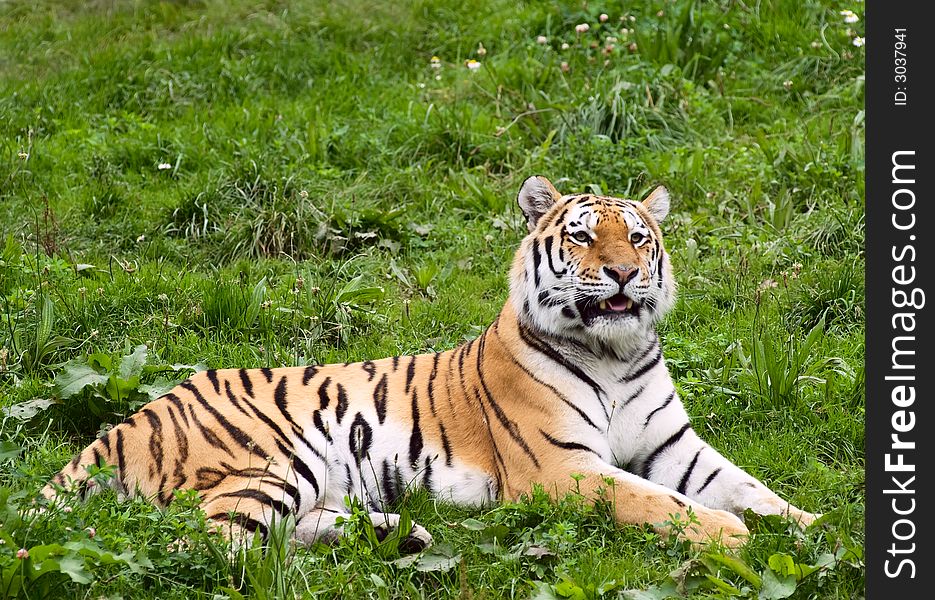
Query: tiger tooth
x: 629, y: 304
x: 603, y: 305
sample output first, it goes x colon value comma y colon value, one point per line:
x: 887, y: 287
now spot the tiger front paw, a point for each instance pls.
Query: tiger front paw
x: 717, y: 526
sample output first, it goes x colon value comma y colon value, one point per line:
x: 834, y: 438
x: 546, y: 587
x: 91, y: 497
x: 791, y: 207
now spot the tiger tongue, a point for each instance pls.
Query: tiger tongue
x: 618, y: 302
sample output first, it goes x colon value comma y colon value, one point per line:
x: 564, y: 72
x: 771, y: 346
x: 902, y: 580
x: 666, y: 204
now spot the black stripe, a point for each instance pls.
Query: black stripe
x: 269, y: 422
x: 360, y: 428
x: 180, y: 437
x: 320, y: 425
x: 247, y: 384
x: 213, y: 378
x: 644, y: 369
x: 209, y: 435
x: 507, y: 424
x: 548, y: 255
x: 155, y: 440
x: 286, y: 487
x: 561, y: 216
x: 161, y: 500
x: 410, y: 372
x: 98, y: 459
x: 237, y: 434
x: 279, y: 396
x: 258, y: 496
x: 121, y: 458
x: 446, y: 445
x: 675, y: 437
x: 653, y: 412
x: 390, y: 495
x: 323, y: 393
x: 688, y: 473
x: 415, y: 439
x: 537, y: 344
x: 395, y: 362
x: 708, y: 480
x: 427, y: 475
x: 208, y: 477
x: 431, y: 386
x: 178, y: 404
x: 379, y: 398
x: 536, y: 261
x: 566, y: 445
x: 341, y: 407
x: 154, y: 421
x: 555, y: 391
x: 251, y: 525
x: 501, y: 465
x: 569, y: 313
x: 634, y: 395
x: 233, y: 398
x: 268, y: 373
x: 308, y: 374
x: 370, y: 368
x: 299, y: 465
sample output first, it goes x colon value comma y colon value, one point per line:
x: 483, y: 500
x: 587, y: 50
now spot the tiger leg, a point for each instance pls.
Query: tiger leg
x: 636, y: 501
x: 241, y: 506
x: 321, y: 525
x: 682, y: 461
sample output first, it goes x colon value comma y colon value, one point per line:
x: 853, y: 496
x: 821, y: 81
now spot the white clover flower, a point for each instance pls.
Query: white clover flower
x: 816, y: 44
x: 542, y: 40
x: 565, y: 46
x: 859, y: 41
x: 564, y: 67
x: 610, y: 39
x: 22, y: 554
x: 438, y: 78
x: 787, y: 84
x: 849, y: 16
x: 435, y: 63
x: 481, y: 51
x: 23, y: 155
x: 472, y: 64
x: 582, y: 28
x: 164, y: 166
x: 603, y: 18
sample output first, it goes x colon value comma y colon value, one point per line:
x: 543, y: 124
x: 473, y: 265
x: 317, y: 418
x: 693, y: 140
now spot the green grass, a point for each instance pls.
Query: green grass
x: 330, y: 196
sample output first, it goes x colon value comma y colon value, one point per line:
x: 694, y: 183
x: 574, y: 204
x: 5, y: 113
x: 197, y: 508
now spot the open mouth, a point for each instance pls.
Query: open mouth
x: 618, y: 305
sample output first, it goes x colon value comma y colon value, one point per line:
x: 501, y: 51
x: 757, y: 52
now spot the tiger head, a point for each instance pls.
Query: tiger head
x: 592, y: 267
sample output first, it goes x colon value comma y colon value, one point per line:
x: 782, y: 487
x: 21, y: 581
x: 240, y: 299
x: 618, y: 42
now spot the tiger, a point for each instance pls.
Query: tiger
x: 566, y: 391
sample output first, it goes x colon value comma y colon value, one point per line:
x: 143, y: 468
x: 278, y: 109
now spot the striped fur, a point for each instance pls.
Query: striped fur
x: 569, y: 379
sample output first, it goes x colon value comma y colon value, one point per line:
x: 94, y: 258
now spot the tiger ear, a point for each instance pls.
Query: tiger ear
x: 535, y: 199
x: 657, y: 203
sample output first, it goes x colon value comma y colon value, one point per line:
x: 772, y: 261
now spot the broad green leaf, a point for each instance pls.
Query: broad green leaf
x: 9, y: 450
x: 737, y: 566
x: 23, y: 411
x: 660, y: 592
x: 46, y: 319
x: 159, y: 387
x: 782, y: 564
x: 569, y: 589
x: 722, y: 585
x: 473, y: 525
x: 131, y: 365
x: 74, y: 567
x: 75, y: 376
x: 437, y: 562
x: 101, y: 361
x: 776, y: 587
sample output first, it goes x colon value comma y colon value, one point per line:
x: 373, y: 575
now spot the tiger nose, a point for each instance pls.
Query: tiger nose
x: 621, y: 274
